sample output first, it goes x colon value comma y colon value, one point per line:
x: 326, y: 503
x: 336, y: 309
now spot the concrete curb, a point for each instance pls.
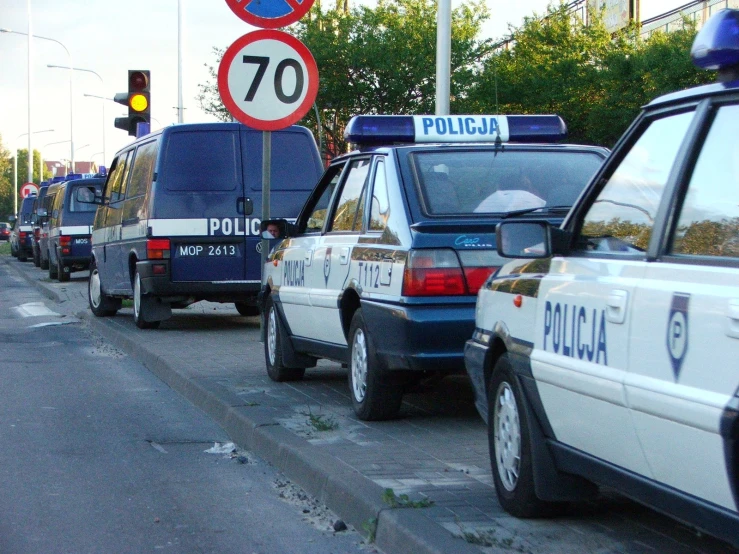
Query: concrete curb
x: 351, y: 495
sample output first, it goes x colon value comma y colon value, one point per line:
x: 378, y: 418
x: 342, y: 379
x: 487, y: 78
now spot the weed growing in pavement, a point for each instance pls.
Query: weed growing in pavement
x: 251, y: 403
x: 320, y: 424
x: 126, y: 303
x: 487, y: 538
x: 403, y: 501
x: 370, y: 526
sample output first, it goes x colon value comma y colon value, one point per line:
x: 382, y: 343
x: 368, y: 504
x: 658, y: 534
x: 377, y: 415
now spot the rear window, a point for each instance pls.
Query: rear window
x: 77, y: 206
x: 201, y: 161
x: 455, y: 182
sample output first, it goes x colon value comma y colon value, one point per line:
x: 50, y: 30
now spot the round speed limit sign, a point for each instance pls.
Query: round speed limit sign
x: 268, y: 80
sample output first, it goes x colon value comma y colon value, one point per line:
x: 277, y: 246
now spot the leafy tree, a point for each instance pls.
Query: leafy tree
x: 365, y: 66
x: 6, y: 177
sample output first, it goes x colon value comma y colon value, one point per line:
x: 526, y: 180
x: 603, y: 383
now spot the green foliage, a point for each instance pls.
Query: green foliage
x: 404, y: 501
x: 322, y: 423
x: 370, y: 527
x: 6, y: 176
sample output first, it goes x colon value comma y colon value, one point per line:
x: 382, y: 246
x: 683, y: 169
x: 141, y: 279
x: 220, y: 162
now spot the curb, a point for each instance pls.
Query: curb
x: 352, y: 496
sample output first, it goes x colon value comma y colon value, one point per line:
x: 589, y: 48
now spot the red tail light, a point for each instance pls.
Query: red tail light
x: 22, y: 234
x: 65, y: 241
x: 157, y: 249
x: 476, y: 277
x: 433, y: 273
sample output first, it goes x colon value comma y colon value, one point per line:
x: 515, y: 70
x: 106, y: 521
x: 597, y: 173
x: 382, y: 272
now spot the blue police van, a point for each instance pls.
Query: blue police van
x: 178, y: 219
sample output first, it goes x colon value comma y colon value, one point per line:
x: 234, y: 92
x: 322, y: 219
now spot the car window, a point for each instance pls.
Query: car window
x: 201, y: 161
x: 380, y: 207
x: 708, y: 224
x: 621, y: 218
x: 466, y: 182
x: 143, y: 169
x: 77, y: 206
x: 117, y: 179
x: 350, y: 206
x: 316, y: 214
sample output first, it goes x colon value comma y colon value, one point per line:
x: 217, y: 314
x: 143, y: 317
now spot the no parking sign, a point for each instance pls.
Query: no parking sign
x: 29, y: 189
x: 270, y: 14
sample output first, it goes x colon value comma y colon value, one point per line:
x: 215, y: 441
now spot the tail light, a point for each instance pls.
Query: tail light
x: 22, y: 235
x: 65, y: 241
x: 476, y: 277
x: 433, y: 273
x: 157, y: 249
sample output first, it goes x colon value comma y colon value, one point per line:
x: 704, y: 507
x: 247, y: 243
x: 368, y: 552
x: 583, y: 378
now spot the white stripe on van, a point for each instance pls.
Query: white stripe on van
x: 178, y: 227
x: 75, y: 230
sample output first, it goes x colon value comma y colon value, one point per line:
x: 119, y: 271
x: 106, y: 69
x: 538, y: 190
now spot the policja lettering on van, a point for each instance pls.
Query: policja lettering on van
x: 479, y: 127
x: 570, y: 327
x: 233, y: 226
x: 293, y: 273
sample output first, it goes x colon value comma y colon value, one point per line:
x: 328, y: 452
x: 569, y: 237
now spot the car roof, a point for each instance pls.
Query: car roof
x: 695, y: 93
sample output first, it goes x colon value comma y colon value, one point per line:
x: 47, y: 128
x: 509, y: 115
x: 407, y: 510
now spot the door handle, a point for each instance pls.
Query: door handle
x: 308, y: 257
x: 344, y: 256
x: 616, y: 306
x: 732, y: 318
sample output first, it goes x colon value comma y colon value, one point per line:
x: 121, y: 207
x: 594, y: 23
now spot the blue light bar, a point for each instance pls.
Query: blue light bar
x: 389, y: 129
x: 717, y: 44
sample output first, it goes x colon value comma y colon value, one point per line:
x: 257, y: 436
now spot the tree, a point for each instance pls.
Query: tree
x: 364, y: 63
x: 6, y: 177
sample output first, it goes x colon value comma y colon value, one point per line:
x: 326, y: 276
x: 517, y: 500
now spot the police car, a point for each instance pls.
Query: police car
x: 382, y: 267
x: 606, y: 353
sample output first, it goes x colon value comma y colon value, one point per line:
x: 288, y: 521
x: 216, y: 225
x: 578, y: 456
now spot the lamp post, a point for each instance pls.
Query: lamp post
x: 51, y: 143
x: 71, y: 86
x: 15, y: 167
x: 102, y: 83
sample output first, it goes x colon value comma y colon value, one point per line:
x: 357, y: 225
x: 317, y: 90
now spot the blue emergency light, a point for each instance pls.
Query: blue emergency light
x: 389, y: 129
x: 717, y: 44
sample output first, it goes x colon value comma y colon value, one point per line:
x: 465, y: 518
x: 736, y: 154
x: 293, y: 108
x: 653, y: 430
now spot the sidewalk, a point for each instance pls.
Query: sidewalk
x: 436, y: 453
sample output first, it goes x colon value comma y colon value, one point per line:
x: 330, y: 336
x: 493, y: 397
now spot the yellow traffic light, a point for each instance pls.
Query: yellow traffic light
x: 138, y: 102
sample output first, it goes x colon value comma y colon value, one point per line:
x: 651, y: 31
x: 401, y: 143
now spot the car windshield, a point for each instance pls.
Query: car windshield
x: 454, y: 182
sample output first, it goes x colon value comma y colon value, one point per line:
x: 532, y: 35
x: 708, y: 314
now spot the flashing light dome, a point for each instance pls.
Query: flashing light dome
x: 717, y: 44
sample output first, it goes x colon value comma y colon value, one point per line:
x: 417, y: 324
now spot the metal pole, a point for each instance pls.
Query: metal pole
x: 180, y: 107
x: 443, y: 55
x: 30, y: 88
x: 266, y: 184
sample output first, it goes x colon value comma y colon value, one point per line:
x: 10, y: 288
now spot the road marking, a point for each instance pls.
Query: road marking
x: 34, y: 309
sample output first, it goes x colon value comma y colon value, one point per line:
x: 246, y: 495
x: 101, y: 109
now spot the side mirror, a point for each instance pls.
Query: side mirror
x: 274, y: 229
x: 531, y: 239
x: 89, y: 195
x: 41, y: 212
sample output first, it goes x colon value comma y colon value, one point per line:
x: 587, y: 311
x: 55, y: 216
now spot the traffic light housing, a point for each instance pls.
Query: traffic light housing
x: 138, y: 100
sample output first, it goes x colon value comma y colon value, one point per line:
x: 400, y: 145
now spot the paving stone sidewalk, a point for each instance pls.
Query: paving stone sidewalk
x: 433, y: 459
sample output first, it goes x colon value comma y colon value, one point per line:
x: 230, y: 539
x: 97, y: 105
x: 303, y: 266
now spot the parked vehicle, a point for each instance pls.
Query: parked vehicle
x: 391, y: 248
x: 43, y: 215
x: 606, y: 354
x: 5, y: 231
x: 178, y: 220
x: 70, y: 228
x: 22, y: 242
x: 37, y: 220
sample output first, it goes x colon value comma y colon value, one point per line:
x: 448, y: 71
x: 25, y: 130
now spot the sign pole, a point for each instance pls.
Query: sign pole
x: 266, y: 184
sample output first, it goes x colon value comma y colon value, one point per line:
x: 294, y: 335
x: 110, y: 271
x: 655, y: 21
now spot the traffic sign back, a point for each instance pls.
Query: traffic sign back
x: 29, y: 189
x: 270, y: 14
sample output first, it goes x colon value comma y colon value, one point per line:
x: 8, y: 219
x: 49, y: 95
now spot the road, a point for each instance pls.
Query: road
x: 98, y: 455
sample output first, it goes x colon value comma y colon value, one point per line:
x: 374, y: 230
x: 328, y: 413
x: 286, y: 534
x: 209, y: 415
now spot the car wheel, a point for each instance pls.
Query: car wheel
x: 510, y: 445
x: 246, y: 309
x: 273, y: 348
x: 52, y: 269
x: 62, y: 274
x: 36, y: 258
x: 43, y: 263
x: 374, y: 395
x: 100, y: 303
x: 139, y: 307
x: 22, y: 256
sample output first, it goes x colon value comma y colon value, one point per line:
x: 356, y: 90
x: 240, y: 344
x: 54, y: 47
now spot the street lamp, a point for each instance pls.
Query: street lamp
x: 102, y: 83
x: 30, y: 165
x: 51, y: 143
x: 71, y: 88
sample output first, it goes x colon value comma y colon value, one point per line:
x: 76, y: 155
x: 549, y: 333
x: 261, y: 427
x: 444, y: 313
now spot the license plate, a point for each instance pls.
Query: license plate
x: 82, y: 241
x: 207, y: 250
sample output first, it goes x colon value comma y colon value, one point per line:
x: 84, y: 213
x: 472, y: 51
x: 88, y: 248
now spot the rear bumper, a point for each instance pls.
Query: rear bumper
x: 160, y: 284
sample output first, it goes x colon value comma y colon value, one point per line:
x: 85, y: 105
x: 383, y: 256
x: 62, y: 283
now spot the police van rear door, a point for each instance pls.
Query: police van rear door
x: 203, y: 209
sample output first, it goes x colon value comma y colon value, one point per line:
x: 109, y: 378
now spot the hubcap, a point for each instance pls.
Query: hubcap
x: 359, y: 366
x: 95, y: 293
x: 507, y: 429
x: 271, y: 336
x: 137, y: 296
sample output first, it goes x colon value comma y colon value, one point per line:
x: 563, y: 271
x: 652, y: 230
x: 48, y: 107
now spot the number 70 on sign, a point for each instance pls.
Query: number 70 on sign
x: 268, y: 80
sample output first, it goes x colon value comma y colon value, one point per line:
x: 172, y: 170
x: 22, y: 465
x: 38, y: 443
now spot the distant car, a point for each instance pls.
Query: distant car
x: 606, y: 353
x: 37, y: 221
x: 70, y: 228
x: 5, y: 231
x: 382, y: 268
x: 23, y: 240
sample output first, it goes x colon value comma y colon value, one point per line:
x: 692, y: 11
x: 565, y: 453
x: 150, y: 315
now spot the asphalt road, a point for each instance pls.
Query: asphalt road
x: 98, y: 455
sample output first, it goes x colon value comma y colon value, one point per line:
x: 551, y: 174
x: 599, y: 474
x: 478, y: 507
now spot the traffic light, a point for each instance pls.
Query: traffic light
x: 137, y: 99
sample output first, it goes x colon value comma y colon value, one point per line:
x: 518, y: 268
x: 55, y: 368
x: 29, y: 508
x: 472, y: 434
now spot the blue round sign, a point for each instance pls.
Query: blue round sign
x: 270, y: 14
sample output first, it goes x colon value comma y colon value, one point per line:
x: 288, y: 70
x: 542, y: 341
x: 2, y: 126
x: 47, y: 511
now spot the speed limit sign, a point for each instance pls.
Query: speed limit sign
x: 268, y: 80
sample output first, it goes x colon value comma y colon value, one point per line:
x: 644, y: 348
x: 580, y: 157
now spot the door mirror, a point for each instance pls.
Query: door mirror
x: 524, y: 240
x: 274, y: 229
x: 88, y: 195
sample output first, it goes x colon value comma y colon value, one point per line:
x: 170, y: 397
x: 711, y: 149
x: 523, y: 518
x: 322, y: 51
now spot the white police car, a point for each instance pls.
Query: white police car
x: 607, y: 353
x: 382, y: 267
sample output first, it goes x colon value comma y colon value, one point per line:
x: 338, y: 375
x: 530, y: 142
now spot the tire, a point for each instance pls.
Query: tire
x: 139, y: 309
x: 22, y: 256
x: 43, y: 264
x: 246, y: 309
x: 36, y: 258
x: 273, y: 348
x: 374, y: 395
x: 101, y: 304
x: 510, y: 445
x: 62, y: 275
x: 53, y: 271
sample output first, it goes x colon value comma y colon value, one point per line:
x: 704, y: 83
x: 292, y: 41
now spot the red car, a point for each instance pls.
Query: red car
x: 5, y: 231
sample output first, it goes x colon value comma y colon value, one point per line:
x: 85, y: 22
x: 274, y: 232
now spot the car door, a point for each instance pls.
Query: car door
x: 585, y: 305
x: 333, y: 253
x: 683, y: 378
x: 299, y: 273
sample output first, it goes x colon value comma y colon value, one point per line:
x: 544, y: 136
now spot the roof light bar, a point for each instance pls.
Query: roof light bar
x: 388, y: 129
x: 716, y: 46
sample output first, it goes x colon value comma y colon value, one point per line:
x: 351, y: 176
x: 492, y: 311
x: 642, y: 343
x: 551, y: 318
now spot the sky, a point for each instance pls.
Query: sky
x: 108, y: 38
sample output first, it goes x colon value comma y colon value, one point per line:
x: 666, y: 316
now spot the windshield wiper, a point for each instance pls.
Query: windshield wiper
x: 529, y: 210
